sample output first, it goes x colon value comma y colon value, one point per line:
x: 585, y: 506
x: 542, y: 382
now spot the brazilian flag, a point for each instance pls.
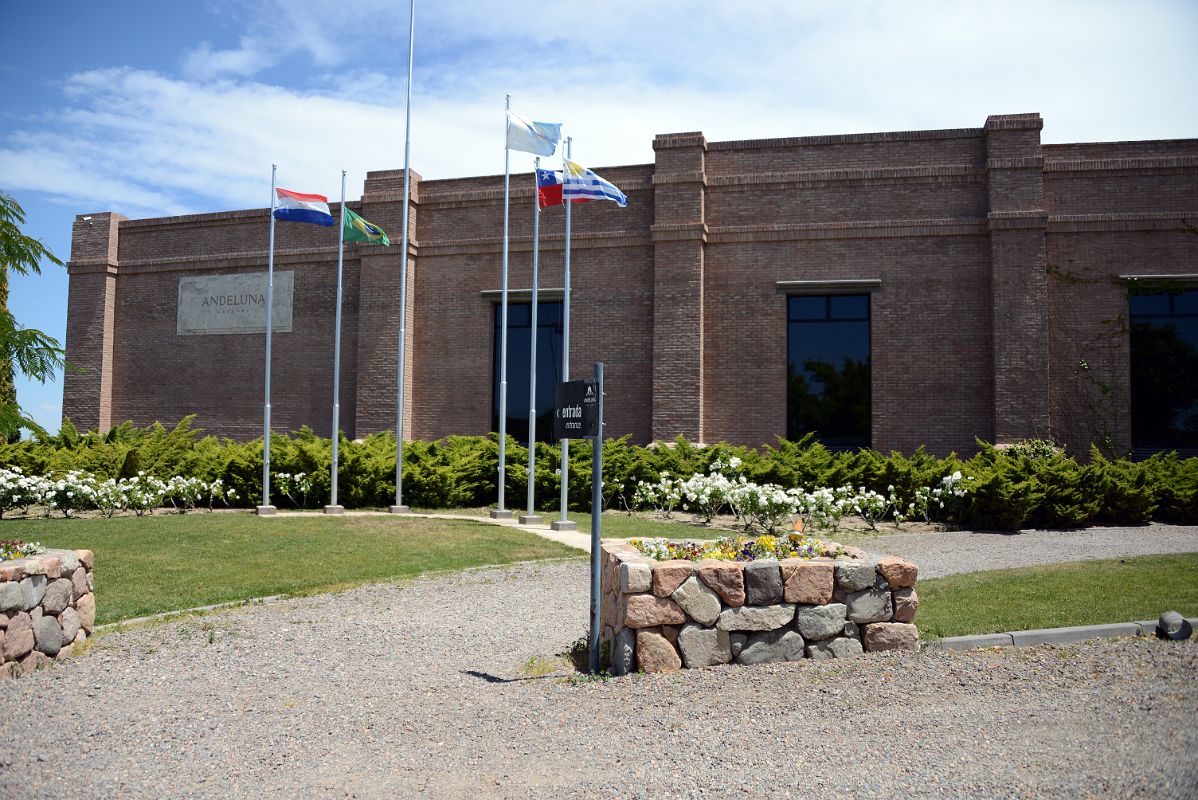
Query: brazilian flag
x: 356, y: 229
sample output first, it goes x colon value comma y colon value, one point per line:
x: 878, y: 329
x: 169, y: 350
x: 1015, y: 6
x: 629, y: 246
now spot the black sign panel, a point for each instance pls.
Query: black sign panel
x: 576, y: 409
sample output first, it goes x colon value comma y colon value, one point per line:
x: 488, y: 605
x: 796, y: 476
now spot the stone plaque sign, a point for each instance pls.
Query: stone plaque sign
x: 233, y: 303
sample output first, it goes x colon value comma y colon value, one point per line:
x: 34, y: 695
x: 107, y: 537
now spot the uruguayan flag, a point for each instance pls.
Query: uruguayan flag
x: 582, y: 184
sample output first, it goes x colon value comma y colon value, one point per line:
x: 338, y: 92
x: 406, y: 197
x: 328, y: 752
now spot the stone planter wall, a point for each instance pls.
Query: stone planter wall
x: 663, y: 615
x: 47, y: 605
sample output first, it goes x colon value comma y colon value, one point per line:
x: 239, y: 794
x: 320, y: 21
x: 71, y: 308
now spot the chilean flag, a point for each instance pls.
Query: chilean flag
x: 549, y: 189
x: 300, y: 207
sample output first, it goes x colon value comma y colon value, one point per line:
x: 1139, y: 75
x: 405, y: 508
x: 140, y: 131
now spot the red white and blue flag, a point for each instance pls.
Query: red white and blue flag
x: 549, y: 189
x: 582, y: 184
x: 300, y: 207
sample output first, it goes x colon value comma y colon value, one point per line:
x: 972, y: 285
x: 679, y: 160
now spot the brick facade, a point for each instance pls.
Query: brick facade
x: 997, y: 268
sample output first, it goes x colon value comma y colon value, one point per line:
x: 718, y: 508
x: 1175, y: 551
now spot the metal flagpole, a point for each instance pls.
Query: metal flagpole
x: 564, y: 523
x: 333, y: 507
x: 266, y: 508
x: 501, y: 512
x: 531, y: 518
x: 399, y: 507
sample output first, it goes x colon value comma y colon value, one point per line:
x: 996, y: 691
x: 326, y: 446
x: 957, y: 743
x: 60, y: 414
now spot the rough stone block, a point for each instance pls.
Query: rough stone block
x: 79, y: 585
x: 12, y: 570
x: 69, y: 620
x: 870, y: 605
x: 68, y: 561
x: 906, y: 603
x: 655, y: 654
x: 853, y: 576
x: 820, y: 622
x: 669, y: 575
x: 880, y: 636
x: 727, y: 579
x: 86, y: 608
x: 33, y: 589
x: 51, y: 566
x: 58, y: 596
x: 47, y: 635
x: 18, y: 638
x: 698, y: 601
x: 640, y: 611
x: 772, y: 646
x: 756, y: 618
x: 635, y: 577
x: 763, y: 583
x: 704, y: 647
x: 898, y: 573
x: 807, y: 581
x: 86, y: 557
x: 11, y: 597
x: 839, y: 647
x: 35, y: 660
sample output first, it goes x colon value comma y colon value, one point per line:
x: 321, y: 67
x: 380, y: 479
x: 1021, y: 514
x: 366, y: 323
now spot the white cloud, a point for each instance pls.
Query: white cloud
x: 204, y: 63
x: 617, y: 73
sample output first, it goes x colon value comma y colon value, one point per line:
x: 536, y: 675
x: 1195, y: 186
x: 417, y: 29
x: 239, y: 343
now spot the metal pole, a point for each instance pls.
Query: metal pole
x: 333, y: 507
x: 596, y: 522
x: 266, y: 508
x: 501, y: 512
x: 399, y: 507
x: 564, y: 523
x: 530, y: 518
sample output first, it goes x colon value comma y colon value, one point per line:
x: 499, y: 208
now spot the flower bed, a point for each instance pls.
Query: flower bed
x: 749, y: 606
x: 47, y: 605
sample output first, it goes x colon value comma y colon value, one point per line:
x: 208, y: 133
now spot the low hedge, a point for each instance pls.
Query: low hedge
x: 1032, y: 484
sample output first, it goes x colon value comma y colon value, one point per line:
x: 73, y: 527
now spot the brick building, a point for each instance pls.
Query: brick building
x: 991, y: 280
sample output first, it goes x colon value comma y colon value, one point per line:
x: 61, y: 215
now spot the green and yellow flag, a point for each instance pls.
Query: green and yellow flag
x: 356, y: 229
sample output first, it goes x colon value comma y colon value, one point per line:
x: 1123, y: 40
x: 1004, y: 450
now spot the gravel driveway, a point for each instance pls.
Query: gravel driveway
x: 420, y: 694
x: 952, y: 552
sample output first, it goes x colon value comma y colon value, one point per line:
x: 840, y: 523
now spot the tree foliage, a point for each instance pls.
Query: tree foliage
x: 28, y: 350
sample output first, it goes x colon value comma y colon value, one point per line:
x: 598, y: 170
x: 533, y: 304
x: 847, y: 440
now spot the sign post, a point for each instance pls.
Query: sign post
x: 578, y: 414
x: 596, y: 513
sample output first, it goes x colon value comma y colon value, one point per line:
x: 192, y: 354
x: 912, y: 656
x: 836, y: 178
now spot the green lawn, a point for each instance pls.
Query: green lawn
x: 1080, y: 593
x: 147, y: 565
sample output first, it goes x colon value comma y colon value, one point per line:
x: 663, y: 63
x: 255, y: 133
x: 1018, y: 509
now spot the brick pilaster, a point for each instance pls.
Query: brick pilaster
x: 92, y: 271
x: 1018, y: 283
x: 679, y: 239
x: 378, y: 305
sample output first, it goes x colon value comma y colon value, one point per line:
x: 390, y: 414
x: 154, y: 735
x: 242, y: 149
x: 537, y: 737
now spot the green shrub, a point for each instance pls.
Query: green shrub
x: 1032, y: 483
x: 1129, y: 495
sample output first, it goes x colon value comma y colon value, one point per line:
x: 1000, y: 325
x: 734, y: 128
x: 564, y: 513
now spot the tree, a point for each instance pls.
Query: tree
x: 29, y: 350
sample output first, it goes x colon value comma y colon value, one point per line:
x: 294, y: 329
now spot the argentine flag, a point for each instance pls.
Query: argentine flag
x: 300, y: 207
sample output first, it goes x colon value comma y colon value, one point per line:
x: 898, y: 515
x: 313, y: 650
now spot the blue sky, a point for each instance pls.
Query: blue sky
x: 153, y: 108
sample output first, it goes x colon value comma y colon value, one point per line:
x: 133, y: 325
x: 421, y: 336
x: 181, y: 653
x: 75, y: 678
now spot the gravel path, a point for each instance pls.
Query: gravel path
x: 952, y: 552
x: 421, y: 694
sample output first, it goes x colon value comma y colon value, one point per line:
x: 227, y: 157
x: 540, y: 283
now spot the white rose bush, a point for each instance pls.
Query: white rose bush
x: 766, y: 507
x: 80, y: 491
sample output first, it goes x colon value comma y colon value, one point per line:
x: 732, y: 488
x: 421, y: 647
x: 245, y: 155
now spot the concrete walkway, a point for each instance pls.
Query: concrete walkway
x: 578, y: 539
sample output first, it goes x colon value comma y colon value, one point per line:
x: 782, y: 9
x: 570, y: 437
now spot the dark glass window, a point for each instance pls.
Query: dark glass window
x: 549, y: 367
x: 1164, y: 370
x: 828, y: 369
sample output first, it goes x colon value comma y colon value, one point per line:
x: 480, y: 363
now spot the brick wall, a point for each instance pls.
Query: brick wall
x: 993, y: 264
